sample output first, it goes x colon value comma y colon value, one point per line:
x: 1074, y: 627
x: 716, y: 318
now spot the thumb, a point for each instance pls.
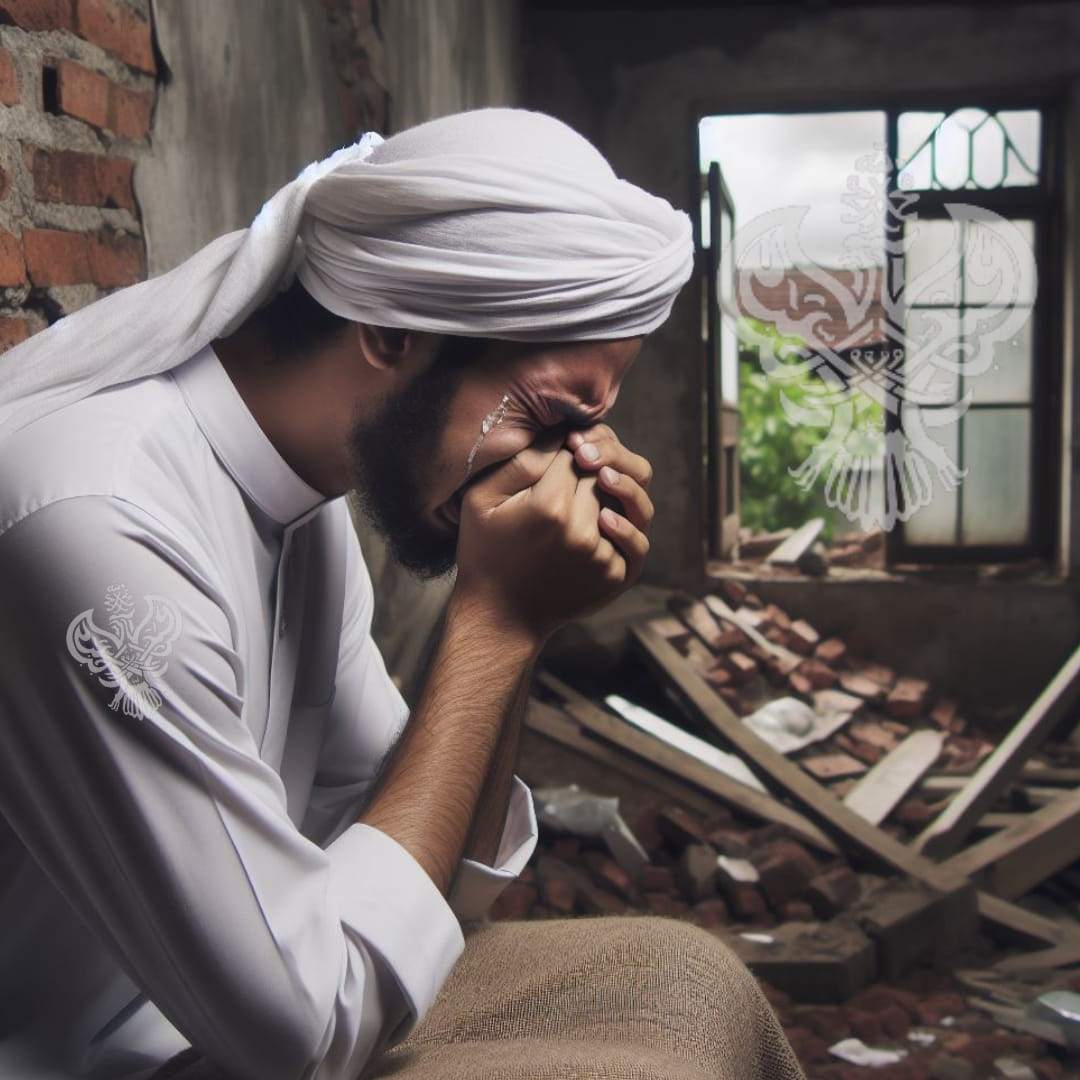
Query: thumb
x: 516, y: 474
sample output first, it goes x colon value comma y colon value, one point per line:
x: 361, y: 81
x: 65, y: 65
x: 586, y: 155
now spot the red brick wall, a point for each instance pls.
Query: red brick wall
x: 77, y: 90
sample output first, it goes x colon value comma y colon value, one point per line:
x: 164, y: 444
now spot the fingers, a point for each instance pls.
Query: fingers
x: 628, y: 539
x: 636, y: 504
x: 518, y: 473
x: 598, y: 446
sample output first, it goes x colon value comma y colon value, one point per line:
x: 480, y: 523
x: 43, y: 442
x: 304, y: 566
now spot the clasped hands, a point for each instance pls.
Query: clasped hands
x: 557, y: 531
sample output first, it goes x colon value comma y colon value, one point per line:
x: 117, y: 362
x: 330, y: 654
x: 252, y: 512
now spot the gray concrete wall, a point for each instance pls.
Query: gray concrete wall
x: 444, y: 56
x: 250, y: 99
x: 637, y: 81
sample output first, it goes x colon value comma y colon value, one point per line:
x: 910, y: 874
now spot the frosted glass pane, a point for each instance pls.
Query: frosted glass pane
x: 988, y: 154
x: 1024, y: 127
x: 995, y: 255
x: 932, y: 262
x: 913, y: 128
x: 935, y: 522
x: 953, y: 146
x: 997, y: 455
x: 1007, y: 361
x: 934, y: 356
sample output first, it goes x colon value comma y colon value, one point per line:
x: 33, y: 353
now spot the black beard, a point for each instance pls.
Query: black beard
x: 389, y: 453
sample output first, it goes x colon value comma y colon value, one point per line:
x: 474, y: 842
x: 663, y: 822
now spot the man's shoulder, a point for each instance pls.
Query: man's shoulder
x: 137, y: 442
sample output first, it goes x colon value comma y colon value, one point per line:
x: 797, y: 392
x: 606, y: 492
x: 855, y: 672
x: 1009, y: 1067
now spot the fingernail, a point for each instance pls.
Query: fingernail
x: 609, y: 476
x: 589, y: 452
x: 610, y: 517
x: 574, y: 439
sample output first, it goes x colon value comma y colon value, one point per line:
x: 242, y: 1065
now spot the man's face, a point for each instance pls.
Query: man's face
x: 411, y: 459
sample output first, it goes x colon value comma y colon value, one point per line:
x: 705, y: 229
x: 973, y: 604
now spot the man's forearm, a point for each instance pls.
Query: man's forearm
x: 432, y: 787
x: 490, y: 817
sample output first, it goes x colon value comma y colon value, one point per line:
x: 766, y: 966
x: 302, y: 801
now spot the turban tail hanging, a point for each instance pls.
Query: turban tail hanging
x: 498, y: 223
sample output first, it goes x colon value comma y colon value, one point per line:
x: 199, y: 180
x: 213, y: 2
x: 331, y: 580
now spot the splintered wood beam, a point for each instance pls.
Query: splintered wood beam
x: 1016, y: 859
x: 797, y: 544
x: 948, y: 831
x: 554, y: 724
x: 878, y: 793
x: 617, y: 732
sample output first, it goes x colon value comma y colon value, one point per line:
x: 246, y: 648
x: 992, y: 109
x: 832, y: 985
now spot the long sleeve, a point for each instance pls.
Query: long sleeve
x: 367, y: 716
x: 128, y: 774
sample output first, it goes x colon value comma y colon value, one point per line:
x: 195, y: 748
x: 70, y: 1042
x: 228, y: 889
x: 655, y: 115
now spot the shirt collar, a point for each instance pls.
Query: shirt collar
x: 250, y: 457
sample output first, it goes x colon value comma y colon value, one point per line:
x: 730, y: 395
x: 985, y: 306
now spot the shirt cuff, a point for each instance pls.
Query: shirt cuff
x: 386, y: 900
x: 477, y: 885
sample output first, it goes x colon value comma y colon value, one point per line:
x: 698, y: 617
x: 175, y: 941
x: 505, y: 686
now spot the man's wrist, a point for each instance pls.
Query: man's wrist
x: 484, y: 621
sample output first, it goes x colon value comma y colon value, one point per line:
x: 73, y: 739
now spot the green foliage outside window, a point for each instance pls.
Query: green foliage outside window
x: 770, y: 444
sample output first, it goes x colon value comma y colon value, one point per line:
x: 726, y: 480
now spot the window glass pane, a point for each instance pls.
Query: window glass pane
x: 934, y: 357
x: 934, y: 522
x: 706, y: 221
x: 1024, y: 130
x: 1003, y: 360
x: 932, y: 262
x: 954, y: 146
x: 998, y: 262
x: 913, y: 131
x: 997, y: 455
x: 968, y: 148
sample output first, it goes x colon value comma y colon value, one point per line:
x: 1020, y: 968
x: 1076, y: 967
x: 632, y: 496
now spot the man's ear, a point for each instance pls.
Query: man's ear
x: 383, y: 347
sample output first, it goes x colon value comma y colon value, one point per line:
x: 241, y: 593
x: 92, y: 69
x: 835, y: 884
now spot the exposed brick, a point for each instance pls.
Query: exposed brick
x: 9, y: 80
x: 12, y: 266
x: 82, y: 93
x: 656, y: 878
x: 129, y: 112
x: 116, y: 259
x: 12, y: 332
x: 116, y: 30
x: 832, y: 651
x: 37, y: 14
x: 66, y: 176
x: 907, y: 698
x: 114, y: 183
x: 56, y: 258
x: 802, y: 637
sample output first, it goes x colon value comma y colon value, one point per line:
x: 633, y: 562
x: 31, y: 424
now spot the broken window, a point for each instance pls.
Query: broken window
x: 909, y: 338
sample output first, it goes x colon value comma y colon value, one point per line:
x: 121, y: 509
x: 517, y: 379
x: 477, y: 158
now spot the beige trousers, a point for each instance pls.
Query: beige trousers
x: 618, y: 998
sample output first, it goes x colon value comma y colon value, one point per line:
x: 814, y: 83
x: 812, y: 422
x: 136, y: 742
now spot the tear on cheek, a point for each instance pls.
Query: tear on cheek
x: 490, y: 423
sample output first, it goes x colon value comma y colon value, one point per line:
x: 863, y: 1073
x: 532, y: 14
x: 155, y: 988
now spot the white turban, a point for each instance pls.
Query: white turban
x: 498, y: 223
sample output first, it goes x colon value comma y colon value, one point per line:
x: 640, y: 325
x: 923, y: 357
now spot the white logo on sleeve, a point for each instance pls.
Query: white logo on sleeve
x: 129, y: 656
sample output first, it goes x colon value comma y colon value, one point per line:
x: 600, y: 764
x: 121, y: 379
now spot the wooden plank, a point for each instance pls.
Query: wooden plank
x: 1030, y: 928
x: 1015, y: 860
x: 948, y: 831
x: 552, y: 723
x: 797, y: 544
x: 1041, y: 959
x: 878, y: 793
x: 696, y: 617
x: 617, y: 732
x: 950, y: 785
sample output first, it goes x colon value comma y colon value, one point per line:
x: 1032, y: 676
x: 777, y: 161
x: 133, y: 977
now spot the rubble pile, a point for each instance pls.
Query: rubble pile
x: 842, y: 828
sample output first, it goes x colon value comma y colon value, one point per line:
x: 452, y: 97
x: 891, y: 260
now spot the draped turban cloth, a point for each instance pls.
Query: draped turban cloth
x: 498, y: 223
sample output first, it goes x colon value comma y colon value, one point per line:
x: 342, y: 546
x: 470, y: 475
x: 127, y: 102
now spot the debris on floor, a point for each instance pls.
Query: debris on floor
x: 846, y: 831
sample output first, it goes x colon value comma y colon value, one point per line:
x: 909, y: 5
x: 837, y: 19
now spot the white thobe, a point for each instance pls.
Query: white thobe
x: 191, y: 712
